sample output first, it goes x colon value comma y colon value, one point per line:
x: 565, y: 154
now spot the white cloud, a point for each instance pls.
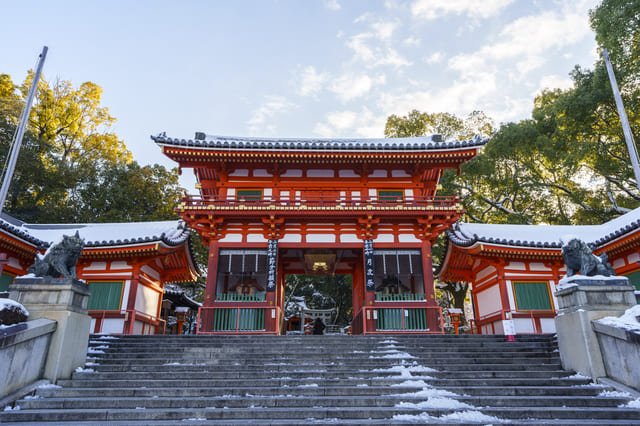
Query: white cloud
x: 363, y: 123
x: 434, y: 58
x: 332, y: 5
x: 554, y: 82
x: 348, y: 87
x: 528, y: 38
x: 261, y: 121
x: 412, y: 41
x: 311, y: 81
x: 434, y: 9
x: 383, y: 30
x: 461, y: 97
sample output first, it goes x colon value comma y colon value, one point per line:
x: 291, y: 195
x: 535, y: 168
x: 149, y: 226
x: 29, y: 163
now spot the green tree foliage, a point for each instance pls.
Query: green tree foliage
x: 72, y: 167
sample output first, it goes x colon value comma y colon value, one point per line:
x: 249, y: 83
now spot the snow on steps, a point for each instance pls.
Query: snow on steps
x: 186, y: 380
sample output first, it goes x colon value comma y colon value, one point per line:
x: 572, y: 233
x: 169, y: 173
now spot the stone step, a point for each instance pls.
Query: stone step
x: 285, y: 400
x: 279, y: 367
x: 259, y: 412
x: 216, y: 375
x: 326, y: 382
x: 203, y: 391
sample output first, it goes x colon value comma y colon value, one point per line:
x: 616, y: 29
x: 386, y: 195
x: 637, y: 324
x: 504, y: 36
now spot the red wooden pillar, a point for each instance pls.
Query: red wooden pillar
x: 131, y: 300
x: 212, y: 273
x: 357, y: 287
x: 427, y: 273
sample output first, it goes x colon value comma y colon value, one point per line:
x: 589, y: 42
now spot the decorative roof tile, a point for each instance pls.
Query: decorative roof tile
x: 543, y: 236
x: 424, y: 143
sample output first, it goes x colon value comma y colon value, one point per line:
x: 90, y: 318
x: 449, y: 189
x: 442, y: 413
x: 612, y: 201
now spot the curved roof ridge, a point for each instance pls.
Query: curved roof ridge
x: 543, y: 236
x: 431, y: 142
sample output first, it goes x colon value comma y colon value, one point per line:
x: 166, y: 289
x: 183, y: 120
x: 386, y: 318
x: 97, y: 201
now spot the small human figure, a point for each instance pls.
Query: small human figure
x: 318, y: 326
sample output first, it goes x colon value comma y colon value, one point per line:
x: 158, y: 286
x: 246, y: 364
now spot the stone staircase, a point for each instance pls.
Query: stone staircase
x: 183, y: 380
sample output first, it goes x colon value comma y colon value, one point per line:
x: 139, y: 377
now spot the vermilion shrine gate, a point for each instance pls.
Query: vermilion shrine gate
x: 365, y: 207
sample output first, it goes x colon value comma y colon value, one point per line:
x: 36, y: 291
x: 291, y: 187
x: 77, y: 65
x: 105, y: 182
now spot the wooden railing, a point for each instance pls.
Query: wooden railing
x: 407, y: 319
x: 251, y: 318
x: 234, y: 297
x: 492, y: 318
x: 403, y: 297
x: 368, y: 203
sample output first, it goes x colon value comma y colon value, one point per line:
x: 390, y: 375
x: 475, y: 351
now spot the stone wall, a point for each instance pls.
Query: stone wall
x: 23, y: 353
x: 620, y: 350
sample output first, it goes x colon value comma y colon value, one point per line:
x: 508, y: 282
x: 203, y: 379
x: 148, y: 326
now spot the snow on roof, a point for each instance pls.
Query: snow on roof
x: 433, y: 142
x: 543, y: 236
x: 172, y: 232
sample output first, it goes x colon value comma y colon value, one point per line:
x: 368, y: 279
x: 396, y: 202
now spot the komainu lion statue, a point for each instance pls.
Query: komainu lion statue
x: 580, y: 260
x: 60, y: 259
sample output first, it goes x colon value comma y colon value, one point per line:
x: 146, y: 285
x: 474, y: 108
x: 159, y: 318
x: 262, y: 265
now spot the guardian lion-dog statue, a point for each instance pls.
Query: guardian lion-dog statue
x: 580, y: 260
x: 60, y: 259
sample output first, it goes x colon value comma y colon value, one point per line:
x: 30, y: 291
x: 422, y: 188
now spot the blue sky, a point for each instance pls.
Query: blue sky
x: 298, y: 68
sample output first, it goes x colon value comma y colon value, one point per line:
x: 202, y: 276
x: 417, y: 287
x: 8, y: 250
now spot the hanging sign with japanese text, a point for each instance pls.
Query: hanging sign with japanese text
x: 369, y: 273
x: 272, y: 264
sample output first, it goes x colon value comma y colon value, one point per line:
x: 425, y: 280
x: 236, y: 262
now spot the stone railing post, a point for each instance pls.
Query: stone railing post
x: 580, y: 303
x: 65, y: 302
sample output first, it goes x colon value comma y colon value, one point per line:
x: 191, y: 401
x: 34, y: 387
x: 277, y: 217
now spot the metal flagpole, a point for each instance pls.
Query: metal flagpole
x: 15, y: 147
x: 628, y: 136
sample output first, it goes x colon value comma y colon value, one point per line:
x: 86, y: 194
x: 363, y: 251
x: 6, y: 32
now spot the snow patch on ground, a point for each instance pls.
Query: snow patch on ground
x: 48, y: 386
x: 614, y: 394
x: 396, y: 355
x: 84, y: 370
x: 434, y: 403
x: 412, y: 384
x: 471, y: 416
x: 632, y: 404
x: 10, y: 408
x: 106, y: 337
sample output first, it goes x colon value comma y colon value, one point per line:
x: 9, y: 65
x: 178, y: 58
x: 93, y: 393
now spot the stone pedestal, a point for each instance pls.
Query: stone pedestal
x: 579, y: 304
x: 66, y: 303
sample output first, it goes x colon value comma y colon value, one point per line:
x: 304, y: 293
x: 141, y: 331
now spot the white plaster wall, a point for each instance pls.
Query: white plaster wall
x: 268, y: 192
x: 137, y: 327
x: 372, y: 192
x: 520, y: 266
x: 256, y: 238
x: 151, y: 272
x: 284, y: 195
x: 292, y: 173
x: 384, y: 238
x: 120, y: 264
x: 408, y: 193
x: 112, y: 325
x: 319, y: 173
x: 399, y: 173
x: 548, y: 325
x: 261, y: 173
x: 240, y: 172
x: 147, y: 300
x: 355, y: 195
x: 634, y: 257
x: 618, y: 263
x: 92, y: 327
x: 347, y: 174
x: 125, y: 294
x: 489, y: 300
x: 101, y: 266
x: 512, y: 303
x: 231, y: 238
x: 523, y: 325
x: 12, y: 261
x: 537, y: 266
x: 291, y: 238
x: 378, y: 173
x: 321, y: 238
x: 485, y: 272
x: 350, y: 238
x: 408, y: 238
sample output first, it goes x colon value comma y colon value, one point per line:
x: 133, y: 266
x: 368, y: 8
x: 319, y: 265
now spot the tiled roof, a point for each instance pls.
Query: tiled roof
x: 424, y: 143
x: 543, y: 236
x: 171, y: 233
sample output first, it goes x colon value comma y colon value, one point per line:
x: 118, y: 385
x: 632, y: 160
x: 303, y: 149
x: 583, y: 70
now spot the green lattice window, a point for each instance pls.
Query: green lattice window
x: 532, y: 296
x: 634, y: 279
x: 5, y: 281
x: 388, y: 195
x: 105, y: 295
x: 249, y: 195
